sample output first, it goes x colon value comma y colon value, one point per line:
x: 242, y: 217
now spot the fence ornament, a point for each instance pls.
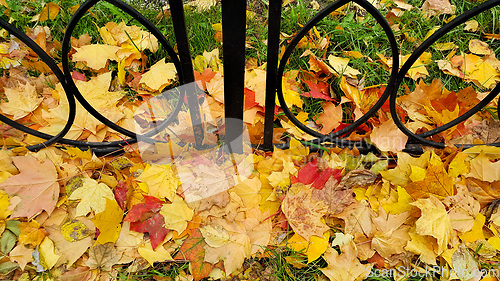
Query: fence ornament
x: 234, y: 24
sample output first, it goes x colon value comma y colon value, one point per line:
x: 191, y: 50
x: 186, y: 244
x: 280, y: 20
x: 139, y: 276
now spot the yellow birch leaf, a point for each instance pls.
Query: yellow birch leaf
x: 160, y: 74
x: 177, y: 214
x: 476, y: 232
x: 479, y: 47
x: 161, y: 181
x: 47, y: 255
x: 159, y: 255
x: 121, y: 72
x: 109, y: 222
x: 341, y: 67
x: 49, y: 11
x: 471, y: 26
x: 402, y: 205
x: 74, y: 230
x: 96, y: 55
x: 93, y: 197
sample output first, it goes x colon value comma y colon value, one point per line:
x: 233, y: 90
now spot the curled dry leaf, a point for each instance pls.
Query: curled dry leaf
x: 303, y: 213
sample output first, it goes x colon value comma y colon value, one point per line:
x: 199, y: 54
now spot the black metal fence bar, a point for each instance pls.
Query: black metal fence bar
x: 234, y: 24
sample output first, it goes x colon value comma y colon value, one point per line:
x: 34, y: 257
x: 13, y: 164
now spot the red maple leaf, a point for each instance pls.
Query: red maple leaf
x: 318, y: 91
x: 146, y: 217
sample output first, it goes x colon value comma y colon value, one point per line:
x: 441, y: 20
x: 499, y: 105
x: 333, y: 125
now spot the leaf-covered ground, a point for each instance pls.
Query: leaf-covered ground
x: 178, y: 213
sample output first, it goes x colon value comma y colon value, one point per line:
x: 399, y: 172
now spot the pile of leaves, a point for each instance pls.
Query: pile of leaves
x: 70, y: 215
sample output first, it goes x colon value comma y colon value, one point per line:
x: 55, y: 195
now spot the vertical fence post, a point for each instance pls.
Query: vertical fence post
x: 179, y: 22
x: 233, y: 44
x: 273, y: 44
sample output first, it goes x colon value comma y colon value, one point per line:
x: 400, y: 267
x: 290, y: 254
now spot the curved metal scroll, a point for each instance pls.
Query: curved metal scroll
x: 396, y: 78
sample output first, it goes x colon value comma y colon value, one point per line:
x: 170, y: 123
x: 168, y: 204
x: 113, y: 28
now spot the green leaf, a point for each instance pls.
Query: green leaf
x: 12, y: 226
x: 7, y: 242
x: 7, y: 267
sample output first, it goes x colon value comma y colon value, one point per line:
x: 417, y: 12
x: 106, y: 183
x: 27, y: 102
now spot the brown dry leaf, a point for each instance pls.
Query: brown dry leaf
x: 391, y: 235
x: 434, y: 221
x: 463, y: 209
x: 103, y: 256
x: 437, y: 7
x: 21, y: 255
x: 333, y: 196
x: 36, y: 185
x: 304, y: 214
x: 357, y: 178
x: 487, y: 131
x: 358, y: 219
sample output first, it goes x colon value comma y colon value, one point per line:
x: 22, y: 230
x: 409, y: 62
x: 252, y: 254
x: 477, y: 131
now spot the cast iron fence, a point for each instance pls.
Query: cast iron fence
x: 234, y: 25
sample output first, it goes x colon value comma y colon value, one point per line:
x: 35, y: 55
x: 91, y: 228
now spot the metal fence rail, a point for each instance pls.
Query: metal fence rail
x: 233, y: 22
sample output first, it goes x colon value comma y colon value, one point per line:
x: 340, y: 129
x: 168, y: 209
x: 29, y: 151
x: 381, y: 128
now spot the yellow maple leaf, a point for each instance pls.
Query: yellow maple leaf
x: 22, y: 100
x: 434, y: 221
x: 31, y: 233
x: 177, y: 214
x: 345, y: 266
x: 160, y: 75
x: 234, y: 252
x: 341, y: 67
x: 96, y: 55
x: 476, y: 232
x: 402, y: 203
x: 160, y: 254
x: 109, y: 222
x: 255, y: 80
x: 313, y: 248
x: 388, y: 137
x: 93, y: 197
x: 161, y: 181
x: 49, y: 11
x: 21, y: 255
x: 420, y: 245
x: 483, y: 169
